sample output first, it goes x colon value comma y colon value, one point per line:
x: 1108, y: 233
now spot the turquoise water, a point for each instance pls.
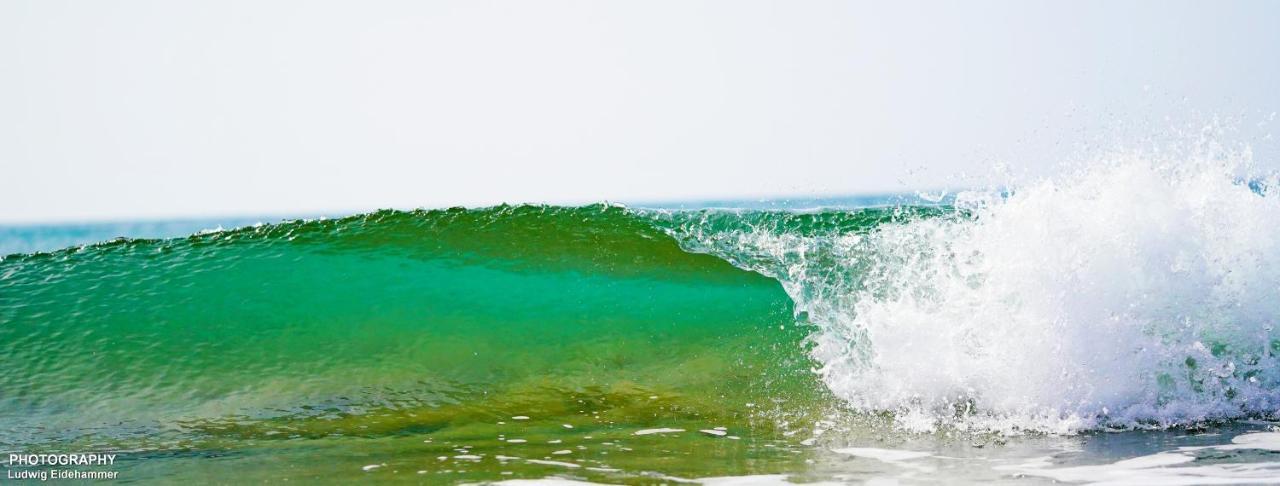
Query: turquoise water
x: 32, y: 238
x: 651, y: 345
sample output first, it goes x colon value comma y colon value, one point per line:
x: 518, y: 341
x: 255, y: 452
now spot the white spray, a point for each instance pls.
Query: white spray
x: 1132, y: 292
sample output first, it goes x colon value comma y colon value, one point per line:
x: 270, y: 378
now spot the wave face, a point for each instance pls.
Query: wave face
x: 383, y: 324
x: 1125, y: 294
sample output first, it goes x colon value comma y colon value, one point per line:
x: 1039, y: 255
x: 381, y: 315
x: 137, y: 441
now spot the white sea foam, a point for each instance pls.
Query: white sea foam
x: 664, y: 430
x: 1137, y: 291
x: 1170, y: 467
x: 886, y: 455
x: 554, y: 463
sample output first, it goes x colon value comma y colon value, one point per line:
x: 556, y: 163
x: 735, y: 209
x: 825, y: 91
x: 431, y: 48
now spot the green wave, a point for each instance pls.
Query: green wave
x: 395, y: 323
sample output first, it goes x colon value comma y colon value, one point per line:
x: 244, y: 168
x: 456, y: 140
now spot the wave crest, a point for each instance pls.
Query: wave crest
x: 1128, y: 293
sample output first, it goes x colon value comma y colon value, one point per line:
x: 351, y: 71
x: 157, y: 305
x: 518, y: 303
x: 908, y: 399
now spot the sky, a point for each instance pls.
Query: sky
x: 123, y: 109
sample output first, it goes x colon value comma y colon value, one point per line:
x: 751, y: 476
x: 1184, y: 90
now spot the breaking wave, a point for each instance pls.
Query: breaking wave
x: 1134, y: 292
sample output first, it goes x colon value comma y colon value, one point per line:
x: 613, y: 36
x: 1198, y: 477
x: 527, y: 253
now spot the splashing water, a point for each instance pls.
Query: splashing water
x: 1127, y: 293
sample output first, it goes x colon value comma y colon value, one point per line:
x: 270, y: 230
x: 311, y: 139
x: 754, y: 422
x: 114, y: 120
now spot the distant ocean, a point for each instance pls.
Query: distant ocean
x: 1116, y: 324
x: 34, y: 238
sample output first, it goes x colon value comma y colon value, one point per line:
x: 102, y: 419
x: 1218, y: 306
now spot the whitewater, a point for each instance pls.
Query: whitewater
x: 1131, y: 292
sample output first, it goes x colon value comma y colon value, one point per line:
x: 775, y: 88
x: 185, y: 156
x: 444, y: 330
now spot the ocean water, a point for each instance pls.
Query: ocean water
x: 34, y: 238
x: 1114, y: 325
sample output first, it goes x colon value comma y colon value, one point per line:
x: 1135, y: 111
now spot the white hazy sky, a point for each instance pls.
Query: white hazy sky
x: 147, y: 109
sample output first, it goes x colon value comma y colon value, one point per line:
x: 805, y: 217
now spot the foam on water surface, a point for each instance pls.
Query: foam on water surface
x: 886, y: 455
x: 663, y: 430
x: 1170, y: 467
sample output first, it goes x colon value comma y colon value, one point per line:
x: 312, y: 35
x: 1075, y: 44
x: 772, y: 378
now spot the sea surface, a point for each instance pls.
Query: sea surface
x: 1111, y: 326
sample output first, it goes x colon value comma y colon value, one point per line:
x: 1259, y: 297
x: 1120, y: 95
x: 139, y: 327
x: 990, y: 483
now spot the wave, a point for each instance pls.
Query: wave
x: 387, y: 323
x: 1131, y: 293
